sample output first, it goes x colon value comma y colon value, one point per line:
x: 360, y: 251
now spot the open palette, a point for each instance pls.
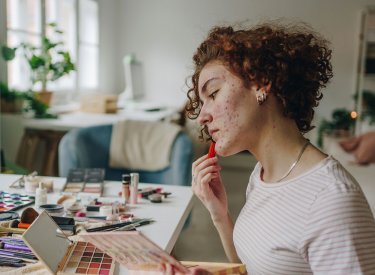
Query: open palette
x: 14, y: 201
x: 61, y: 255
x: 87, y: 181
x: 133, y: 250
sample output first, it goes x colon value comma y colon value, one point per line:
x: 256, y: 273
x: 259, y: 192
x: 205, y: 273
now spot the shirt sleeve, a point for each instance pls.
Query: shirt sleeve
x: 339, y: 237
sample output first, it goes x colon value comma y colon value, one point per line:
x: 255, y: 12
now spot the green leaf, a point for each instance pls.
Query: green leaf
x: 36, y: 62
x: 8, y: 53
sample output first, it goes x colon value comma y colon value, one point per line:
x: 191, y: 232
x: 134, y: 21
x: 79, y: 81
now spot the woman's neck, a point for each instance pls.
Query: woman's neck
x: 278, y: 148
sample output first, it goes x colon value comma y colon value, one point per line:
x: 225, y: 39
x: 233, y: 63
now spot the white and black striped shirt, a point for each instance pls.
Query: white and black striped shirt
x: 317, y: 223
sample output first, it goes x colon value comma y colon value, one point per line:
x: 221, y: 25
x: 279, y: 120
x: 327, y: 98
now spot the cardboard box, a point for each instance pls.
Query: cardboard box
x: 99, y: 104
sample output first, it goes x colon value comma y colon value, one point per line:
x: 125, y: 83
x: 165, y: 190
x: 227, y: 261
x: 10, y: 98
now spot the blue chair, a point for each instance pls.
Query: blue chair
x: 89, y: 148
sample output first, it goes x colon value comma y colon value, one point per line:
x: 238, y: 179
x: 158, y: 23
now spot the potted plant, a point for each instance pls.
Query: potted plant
x: 340, y: 126
x: 14, y: 101
x: 47, y: 62
x: 11, y: 101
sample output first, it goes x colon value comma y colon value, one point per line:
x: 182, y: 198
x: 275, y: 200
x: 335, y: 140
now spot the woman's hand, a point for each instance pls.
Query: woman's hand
x: 208, y: 187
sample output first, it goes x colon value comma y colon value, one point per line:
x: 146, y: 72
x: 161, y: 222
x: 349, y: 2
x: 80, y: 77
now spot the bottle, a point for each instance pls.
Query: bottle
x: 126, y: 188
x: 134, y: 178
x: 40, y: 195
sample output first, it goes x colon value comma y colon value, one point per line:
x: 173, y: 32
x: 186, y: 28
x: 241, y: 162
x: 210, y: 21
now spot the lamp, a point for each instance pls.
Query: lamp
x: 133, y: 81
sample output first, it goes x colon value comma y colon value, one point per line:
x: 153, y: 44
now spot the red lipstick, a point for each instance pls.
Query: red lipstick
x: 211, y: 151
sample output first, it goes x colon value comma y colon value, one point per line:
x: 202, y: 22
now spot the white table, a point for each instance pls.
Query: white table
x: 364, y: 174
x: 69, y: 121
x: 169, y: 216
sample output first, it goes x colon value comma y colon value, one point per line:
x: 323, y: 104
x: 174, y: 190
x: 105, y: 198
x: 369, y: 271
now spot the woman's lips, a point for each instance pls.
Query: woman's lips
x: 213, y: 132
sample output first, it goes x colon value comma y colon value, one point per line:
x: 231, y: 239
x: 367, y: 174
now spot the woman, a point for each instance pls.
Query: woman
x: 255, y: 90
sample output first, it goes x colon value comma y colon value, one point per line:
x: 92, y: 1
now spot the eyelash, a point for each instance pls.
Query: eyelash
x: 212, y: 95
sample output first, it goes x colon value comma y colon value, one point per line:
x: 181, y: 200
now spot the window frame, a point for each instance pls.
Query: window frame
x: 72, y: 92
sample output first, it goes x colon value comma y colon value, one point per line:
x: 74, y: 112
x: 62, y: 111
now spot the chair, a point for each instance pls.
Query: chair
x: 89, y: 148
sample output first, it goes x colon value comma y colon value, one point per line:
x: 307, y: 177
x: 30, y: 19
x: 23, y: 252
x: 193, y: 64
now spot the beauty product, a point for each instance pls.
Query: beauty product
x: 85, y: 182
x: 157, y: 198
x: 40, y: 195
x: 94, y: 180
x: 111, y: 226
x: 14, y: 201
x: 134, y: 225
x: 62, y: 256
x: 133, y: 250
x: 211, y: 151
x: 134, y: 179
x: 53, y: 209
x: 126, y: 187
x: 105, y: 210
x: 8, y: 216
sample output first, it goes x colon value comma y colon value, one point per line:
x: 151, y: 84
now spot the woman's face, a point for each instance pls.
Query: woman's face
x: 228, y: 109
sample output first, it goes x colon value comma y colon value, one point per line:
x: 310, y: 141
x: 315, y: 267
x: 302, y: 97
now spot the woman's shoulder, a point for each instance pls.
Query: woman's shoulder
x: 335, y: 180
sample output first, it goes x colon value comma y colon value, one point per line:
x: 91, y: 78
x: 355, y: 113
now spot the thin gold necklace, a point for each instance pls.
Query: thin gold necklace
x: 293, y: 164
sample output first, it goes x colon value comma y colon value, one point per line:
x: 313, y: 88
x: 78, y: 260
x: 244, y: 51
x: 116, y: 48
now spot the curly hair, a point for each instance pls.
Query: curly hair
x: 293, y: 59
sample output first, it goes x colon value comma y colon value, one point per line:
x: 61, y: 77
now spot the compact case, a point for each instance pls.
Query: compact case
x: 61, y: 255
x: 85, y: 182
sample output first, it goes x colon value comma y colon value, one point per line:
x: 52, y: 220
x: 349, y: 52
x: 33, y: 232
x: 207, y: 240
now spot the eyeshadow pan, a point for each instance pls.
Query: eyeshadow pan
x: 83, y: 264
x: 106, y: 266
x: 96, y: 260
x: 81, y: 270
x: 98, y: 254
x: 104, y: 272
x: 106, y: 260
x: 94, y: 265
x: 92, y: 271
x: 85, y: 259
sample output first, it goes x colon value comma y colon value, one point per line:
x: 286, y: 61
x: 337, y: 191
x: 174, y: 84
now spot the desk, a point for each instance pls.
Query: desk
x: 170, y: 215
x: 364, y: 174
x: 33, y: 143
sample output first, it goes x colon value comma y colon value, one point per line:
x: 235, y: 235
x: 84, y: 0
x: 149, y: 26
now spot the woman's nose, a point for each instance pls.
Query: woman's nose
x: 204, y: 116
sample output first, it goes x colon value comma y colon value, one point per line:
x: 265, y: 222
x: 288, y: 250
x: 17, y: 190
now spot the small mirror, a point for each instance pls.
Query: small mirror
x: 47, y: 241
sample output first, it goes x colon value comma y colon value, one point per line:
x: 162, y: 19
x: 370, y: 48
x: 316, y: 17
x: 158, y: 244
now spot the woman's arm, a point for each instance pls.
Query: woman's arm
x: 208, y: 187
x: 225, y: 228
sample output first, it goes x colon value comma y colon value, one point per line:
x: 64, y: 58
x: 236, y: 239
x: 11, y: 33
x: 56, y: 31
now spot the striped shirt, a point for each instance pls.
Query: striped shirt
x: 317, y: 223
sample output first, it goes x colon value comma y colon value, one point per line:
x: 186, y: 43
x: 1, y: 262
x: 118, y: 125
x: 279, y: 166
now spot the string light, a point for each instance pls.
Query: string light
x: 353, y: 114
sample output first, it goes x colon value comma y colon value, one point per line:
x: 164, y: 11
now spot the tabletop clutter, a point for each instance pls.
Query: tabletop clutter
x: 26, y: 219
x: 83, y: 232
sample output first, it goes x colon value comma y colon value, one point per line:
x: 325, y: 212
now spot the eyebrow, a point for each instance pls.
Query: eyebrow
x: 204, y: 87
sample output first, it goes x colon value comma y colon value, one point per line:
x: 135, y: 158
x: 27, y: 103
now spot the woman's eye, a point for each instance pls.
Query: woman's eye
x: 213, y: 95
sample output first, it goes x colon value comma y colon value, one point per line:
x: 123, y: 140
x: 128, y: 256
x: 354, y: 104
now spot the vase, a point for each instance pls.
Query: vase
x: 11, y: 106
x: 44, y: 96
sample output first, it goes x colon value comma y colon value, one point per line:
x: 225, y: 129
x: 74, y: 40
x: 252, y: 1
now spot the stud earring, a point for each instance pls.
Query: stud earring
x: 261, y: 96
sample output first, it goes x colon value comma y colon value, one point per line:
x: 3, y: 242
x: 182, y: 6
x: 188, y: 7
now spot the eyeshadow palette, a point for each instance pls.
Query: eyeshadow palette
x: 61, y: 255
x: 87, y: 259
x: 133, y: 250
x: 87, y: 181
x: 14, y: 201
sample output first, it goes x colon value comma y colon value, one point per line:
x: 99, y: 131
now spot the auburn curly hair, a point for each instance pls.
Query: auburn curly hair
x: 293, y: 59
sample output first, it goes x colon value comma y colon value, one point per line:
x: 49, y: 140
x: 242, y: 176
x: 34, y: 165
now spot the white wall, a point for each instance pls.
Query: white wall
x: 164, y: 34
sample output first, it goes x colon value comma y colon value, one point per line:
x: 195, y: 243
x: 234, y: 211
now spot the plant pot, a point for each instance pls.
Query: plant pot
x: 11, y: 106
x: 44, y: 96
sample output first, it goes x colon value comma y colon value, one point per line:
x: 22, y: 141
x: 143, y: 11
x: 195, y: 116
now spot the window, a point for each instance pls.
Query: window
x: 78, y: 19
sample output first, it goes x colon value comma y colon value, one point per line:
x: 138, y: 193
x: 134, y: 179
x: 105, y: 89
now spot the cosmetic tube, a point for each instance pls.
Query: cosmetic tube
x: 126, y: 187
x: 134, y: 178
